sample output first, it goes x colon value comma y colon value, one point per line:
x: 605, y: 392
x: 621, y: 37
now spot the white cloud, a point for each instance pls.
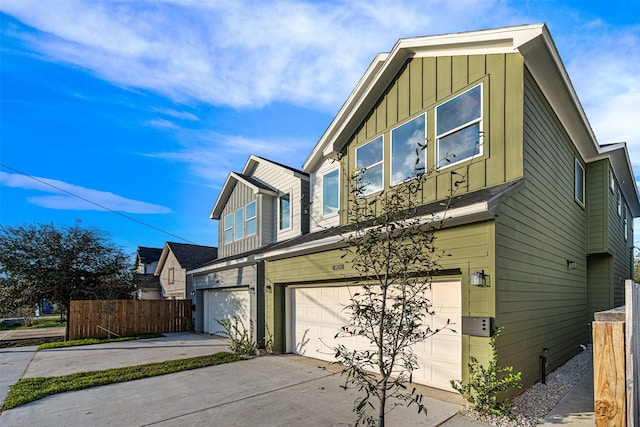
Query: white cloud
x: 247, y: 54
x: 212, y: 155
x: 238, y: 53
x: 73, y: 197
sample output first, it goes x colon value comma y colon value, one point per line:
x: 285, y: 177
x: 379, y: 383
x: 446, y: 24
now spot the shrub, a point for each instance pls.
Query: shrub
x: 242, y: 342
x: 485, y: 383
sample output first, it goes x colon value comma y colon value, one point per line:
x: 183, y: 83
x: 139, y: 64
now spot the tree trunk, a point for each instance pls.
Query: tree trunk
x: 67, y: 309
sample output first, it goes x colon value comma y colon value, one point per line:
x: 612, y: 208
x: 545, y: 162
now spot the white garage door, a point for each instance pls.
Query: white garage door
x: 317, y: 315
x: 224, y: 304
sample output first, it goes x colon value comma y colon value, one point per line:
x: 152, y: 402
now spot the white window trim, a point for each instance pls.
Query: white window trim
x: 612, y: 181
x: 480, y: 122
x: 380, y: 163
x: 424, y: 155
x: 625, y: 223
x: 247, y: 219
x: 322, y: 191
x: 225, y: 228
x: 619, y: 199
x: 575, y: 187
x: 289, y: 193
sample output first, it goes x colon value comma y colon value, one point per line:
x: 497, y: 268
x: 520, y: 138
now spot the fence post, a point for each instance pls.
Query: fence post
x: 632, y: 304
x: 609, y: 386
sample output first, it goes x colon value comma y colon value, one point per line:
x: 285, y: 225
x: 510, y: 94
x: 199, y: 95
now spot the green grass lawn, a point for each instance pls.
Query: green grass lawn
x: 89, y: 341
x: 37, y: 323
x: 29, y: 389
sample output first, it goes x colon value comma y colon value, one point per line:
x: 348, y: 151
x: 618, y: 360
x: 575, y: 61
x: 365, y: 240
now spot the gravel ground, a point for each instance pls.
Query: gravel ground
x: 538, y: 400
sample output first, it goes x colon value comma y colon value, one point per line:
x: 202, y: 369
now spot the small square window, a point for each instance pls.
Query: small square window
x: 579, y: 183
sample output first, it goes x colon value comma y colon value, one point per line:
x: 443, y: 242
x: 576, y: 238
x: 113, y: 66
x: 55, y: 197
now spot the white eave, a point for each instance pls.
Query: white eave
x: 227, y: 188
x: 224, y: 265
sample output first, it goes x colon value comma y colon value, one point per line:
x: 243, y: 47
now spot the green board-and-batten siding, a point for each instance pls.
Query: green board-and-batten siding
x: 424, y: 83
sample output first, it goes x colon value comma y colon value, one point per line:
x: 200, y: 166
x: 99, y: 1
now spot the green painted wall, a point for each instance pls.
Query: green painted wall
x: 597, y: 182
x: 540, y: 302
x: 424, y: 83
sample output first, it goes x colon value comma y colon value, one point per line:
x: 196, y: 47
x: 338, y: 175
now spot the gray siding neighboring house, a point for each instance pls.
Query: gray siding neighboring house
x: 175, y: 260
x: 147, y: 285
x: 263, y: 204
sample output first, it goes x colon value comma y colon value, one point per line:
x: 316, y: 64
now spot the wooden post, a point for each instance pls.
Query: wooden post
x: 609, y: 384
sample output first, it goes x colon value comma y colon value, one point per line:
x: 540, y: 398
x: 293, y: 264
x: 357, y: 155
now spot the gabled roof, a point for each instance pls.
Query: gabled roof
x: 247, y: 179
x: 148, y: 255
x: 541, y: 58
x: 189, y: 256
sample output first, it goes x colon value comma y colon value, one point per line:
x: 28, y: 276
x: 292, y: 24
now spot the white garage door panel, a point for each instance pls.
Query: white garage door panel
x: 317, y: 314
x: 224, y: 304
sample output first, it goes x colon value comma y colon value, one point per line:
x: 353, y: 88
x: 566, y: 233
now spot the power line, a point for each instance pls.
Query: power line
x: 96, y: 204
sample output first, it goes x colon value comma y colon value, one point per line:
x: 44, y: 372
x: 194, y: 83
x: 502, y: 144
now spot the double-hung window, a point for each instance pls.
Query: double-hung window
x: 407, y: 145
x: 369, y: 159
x: 284, y: 211
x: 579, y: 183
x: 330, y: 192
x: 619, y: 196
x: 250, y: 218
x: 459, y: 128
x: 228, y: 228
x: 238, y: 224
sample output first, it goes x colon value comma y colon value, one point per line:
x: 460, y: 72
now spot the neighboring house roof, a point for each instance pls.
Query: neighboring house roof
x: 251, y: 182
x: 189, y: 256
x: 542, y: 60
x: 466, y: 208
x: 149, y: 255
x: 292, y: 169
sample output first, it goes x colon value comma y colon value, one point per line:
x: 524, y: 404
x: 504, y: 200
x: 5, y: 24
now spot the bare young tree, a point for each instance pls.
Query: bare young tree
x: 392, y: 247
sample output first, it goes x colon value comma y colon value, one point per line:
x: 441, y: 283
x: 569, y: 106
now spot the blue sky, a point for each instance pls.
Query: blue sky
x: 144, y: 107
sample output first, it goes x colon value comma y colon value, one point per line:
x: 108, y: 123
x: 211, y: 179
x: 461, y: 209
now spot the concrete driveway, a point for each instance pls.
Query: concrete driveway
x: 268, y: 391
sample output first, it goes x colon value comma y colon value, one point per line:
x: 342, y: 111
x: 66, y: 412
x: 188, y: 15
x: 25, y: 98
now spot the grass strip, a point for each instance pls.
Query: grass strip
x: 29, y: 389
x: 89, y: 341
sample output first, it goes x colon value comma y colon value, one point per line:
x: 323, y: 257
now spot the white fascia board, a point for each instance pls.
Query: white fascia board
x: 543, y: 61
x: 333, y: 242
x: 234, y: 263
x: 163, y: 258
x: 386, y: 66
x: 618, y: 154
x: 320, y: 149
x: 226, y: 192
x: 255, y: 159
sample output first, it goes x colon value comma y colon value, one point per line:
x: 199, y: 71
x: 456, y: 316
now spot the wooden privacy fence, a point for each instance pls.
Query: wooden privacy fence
x: 94, y: 319
x: 616, y: 362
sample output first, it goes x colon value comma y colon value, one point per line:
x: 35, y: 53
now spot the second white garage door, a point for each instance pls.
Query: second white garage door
x: 317, y: 315
x: 224, y: 304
